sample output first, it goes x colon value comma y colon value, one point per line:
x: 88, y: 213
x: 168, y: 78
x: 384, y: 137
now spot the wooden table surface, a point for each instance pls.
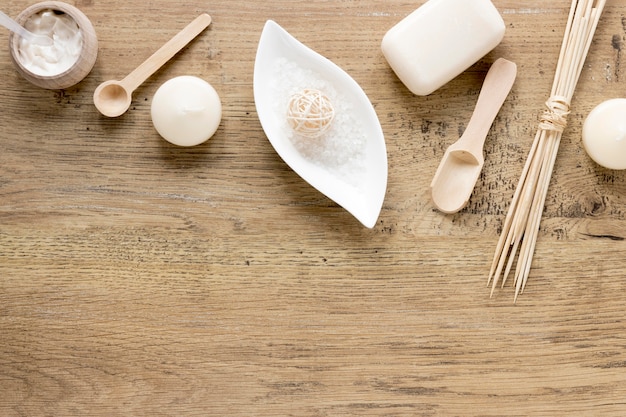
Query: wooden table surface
x: 140, y: 278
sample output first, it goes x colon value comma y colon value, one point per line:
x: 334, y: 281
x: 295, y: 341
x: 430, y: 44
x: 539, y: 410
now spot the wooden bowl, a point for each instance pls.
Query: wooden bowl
x: 81, y: 67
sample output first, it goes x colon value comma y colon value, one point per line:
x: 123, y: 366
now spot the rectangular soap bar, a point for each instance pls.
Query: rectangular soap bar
x: 440, y: 40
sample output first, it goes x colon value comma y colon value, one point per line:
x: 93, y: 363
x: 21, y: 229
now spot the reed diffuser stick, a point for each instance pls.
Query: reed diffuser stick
x: 521, y: 225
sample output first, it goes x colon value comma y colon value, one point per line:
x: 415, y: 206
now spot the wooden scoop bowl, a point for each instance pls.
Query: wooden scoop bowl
x: 463, y: 161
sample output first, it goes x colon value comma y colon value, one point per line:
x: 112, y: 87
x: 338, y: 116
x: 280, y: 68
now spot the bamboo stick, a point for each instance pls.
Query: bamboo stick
x: 521, y: 225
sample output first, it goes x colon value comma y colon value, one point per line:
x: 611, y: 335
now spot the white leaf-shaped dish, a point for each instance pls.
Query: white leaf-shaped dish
x: 348, y: 164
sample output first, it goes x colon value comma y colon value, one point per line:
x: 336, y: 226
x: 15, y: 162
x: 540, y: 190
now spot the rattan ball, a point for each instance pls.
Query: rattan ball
x: 310, y: 113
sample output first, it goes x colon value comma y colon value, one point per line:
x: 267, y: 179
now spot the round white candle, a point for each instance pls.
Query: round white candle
x: 604, y: 134
x: 186, y: 110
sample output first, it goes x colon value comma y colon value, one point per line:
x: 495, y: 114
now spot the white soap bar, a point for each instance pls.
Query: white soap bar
x: 186, y: 110
x: 604, y: 134
x: 440, y: 40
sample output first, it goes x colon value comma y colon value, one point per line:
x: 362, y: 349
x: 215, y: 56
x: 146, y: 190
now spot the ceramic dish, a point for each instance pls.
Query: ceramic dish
x: 348, y: 164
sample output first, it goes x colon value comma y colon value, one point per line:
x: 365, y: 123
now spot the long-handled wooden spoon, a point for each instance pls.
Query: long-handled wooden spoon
x: 112, y: 98
x: 463, y: 161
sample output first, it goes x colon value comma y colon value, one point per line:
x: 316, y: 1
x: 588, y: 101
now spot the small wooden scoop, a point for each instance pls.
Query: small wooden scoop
x: 463, y: 161
x: 112, y: 98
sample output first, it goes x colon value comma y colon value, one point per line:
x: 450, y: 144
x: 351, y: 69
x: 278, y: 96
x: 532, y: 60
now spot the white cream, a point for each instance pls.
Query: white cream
x: 62, y: 54
x: 186, y: 110
x: 440, y: 40
x: 604, y: 134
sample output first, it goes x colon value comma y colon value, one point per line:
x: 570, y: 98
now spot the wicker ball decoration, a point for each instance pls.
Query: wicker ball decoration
x: 310, y: 113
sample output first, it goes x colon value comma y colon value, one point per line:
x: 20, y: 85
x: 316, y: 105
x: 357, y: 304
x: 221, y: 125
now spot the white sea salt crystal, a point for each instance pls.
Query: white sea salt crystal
x: 341, y: 149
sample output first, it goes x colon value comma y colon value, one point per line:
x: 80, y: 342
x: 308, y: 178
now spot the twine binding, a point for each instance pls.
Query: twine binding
x: 554, y: 117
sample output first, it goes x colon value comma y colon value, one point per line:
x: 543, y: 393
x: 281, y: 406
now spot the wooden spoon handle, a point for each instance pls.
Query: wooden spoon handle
x: 495, y: 89
x: 166, y: 52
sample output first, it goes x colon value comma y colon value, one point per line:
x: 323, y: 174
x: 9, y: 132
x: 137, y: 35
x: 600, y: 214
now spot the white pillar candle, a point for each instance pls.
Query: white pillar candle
x: 440, y: 40
x: 186, y: 110
x: 604, y: 134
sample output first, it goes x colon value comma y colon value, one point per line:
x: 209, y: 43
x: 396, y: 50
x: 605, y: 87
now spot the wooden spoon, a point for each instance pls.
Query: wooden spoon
x: 463, y: 161
x: 112, y: 98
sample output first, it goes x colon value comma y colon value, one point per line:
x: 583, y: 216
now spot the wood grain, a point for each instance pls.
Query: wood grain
x: 139, y: 278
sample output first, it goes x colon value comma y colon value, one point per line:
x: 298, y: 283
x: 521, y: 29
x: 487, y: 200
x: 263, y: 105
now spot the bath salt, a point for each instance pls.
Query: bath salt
x: 341, y: 149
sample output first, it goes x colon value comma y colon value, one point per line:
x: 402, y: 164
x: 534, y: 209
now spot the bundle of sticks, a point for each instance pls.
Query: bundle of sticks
x: 521, y: 225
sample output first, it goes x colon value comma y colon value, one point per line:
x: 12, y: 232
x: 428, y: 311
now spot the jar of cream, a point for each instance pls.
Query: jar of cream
x: 72, y: 54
